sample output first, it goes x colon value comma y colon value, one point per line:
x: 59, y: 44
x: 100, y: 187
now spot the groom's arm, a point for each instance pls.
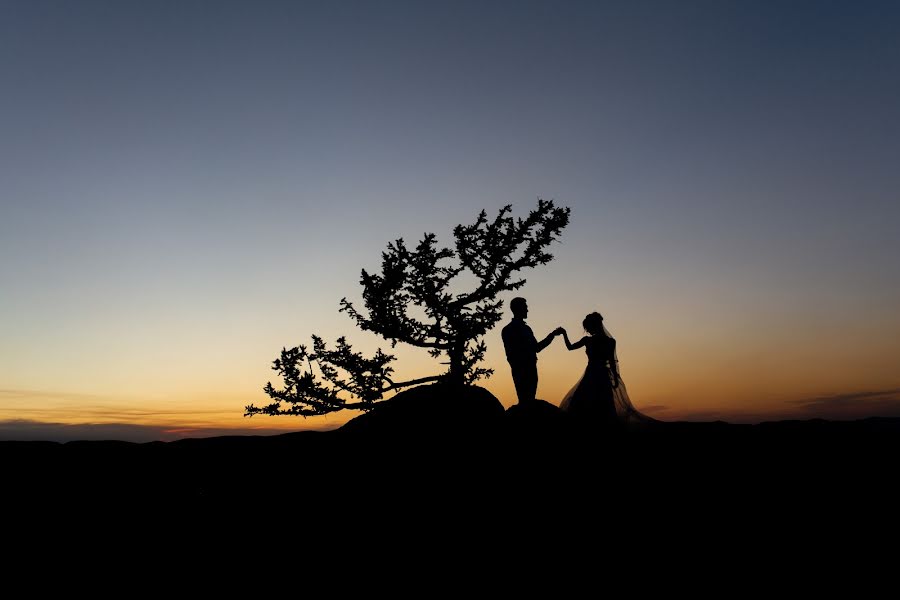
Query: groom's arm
x: 546, y: 341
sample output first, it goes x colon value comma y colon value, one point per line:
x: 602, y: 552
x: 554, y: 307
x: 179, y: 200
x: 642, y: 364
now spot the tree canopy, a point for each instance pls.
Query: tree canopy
x: 416, y: 300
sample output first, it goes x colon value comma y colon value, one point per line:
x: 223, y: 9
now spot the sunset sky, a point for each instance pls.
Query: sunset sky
x: 187, y: 187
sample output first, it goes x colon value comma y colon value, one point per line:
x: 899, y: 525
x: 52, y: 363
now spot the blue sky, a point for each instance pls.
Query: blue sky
x: 187, y: 187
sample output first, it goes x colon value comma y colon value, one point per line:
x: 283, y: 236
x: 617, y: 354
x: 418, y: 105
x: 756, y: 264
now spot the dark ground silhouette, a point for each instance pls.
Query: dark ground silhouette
x: 436, y: 448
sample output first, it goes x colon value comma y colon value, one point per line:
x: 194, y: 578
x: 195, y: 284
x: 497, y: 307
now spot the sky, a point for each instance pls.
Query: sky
x: 187, y: 187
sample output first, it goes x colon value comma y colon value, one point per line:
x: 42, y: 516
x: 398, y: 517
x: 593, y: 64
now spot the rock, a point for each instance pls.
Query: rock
x: 431, y: 410
x: 537, y: 418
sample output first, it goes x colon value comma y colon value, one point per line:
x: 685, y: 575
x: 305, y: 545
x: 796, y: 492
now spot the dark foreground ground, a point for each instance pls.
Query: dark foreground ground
x: 427, y: 449
x: 444, y: 495
x: 534, y: 460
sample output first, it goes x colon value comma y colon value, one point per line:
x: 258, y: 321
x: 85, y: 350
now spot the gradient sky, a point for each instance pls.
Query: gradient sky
x: 186, y: 187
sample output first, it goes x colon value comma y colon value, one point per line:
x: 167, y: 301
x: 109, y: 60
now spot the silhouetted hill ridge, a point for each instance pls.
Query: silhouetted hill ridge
x: 459, y: 442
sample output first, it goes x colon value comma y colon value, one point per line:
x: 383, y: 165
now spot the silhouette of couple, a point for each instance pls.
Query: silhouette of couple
x: 599, y: 397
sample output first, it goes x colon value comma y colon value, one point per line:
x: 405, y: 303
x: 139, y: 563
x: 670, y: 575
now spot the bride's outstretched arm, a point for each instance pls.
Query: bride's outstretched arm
x: 570, y: 345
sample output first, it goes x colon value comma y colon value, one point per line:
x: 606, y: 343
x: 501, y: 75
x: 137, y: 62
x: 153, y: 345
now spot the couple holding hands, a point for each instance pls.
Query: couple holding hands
x: 599, y: 396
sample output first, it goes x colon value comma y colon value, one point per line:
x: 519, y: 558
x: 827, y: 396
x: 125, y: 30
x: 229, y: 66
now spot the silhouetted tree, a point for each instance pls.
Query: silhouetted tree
x: 448, y: 322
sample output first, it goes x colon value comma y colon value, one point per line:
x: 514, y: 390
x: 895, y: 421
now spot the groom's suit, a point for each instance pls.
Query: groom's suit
x: 521, y: 352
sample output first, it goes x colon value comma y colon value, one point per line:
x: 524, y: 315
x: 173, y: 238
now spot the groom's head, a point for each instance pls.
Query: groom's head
x: 519, y: 307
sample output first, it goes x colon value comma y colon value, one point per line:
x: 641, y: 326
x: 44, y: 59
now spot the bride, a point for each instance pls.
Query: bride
x: 600, y: 395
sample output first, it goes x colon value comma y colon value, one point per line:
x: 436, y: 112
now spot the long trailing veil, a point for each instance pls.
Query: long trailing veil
x: 625, y: 410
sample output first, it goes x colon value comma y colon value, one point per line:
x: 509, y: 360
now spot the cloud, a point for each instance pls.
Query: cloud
x: 42, y: 394
x: 53, y: 415
x: 29, y: 430
x: 850, y: 405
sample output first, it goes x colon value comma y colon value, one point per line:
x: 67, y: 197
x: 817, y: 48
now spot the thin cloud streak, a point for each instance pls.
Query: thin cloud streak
x: 847, y: 406
x: 30, y: 431
x: 851, y: 405
x: 57, y: 416
x: 45, y: 406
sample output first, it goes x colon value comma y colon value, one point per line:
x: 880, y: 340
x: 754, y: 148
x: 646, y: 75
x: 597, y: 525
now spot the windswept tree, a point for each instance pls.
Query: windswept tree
x: 416, y: 300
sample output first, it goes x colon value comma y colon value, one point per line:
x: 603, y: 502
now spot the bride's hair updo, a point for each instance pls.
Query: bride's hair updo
x: 593, y: 323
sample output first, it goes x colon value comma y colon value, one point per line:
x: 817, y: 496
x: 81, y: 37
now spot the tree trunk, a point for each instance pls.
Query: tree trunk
x: 457, y: 375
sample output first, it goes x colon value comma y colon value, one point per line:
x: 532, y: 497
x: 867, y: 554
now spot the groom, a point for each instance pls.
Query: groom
x: 521, y: 350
